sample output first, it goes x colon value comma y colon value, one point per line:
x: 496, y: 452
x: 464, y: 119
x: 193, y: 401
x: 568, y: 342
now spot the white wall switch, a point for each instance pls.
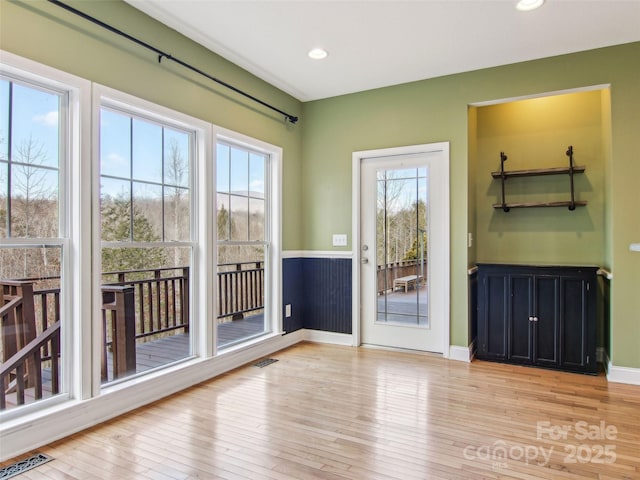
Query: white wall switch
x: 634, y: 247
x: 339, y: 239
x: 469, y: 239
x: 287, y: 310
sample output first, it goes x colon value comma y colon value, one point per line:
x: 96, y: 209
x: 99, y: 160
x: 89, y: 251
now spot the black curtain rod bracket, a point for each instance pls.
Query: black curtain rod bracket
x: 288, y: 117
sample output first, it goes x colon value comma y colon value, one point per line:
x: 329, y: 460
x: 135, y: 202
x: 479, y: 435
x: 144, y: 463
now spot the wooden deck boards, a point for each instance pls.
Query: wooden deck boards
x: 163, y: 351
x: 336, y: 413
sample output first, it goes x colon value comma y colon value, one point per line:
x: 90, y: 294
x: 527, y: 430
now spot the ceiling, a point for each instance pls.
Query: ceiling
x: 377, y: 43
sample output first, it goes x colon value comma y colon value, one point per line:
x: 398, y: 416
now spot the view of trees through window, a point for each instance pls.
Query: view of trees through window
x: 145, y: 218
x: 31, y: 236
x: 401, y: 215
x: 146, y: 231
x: 243, y: 239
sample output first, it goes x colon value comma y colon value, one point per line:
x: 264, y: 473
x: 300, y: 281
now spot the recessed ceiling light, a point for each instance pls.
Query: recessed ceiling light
x: 526, y: 5
x: 318, y: 53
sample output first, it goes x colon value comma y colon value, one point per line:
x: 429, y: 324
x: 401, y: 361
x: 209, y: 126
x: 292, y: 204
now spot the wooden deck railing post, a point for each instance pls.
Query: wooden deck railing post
x: 184, y: 300
x: 121, y: 302
x: 23, y: 323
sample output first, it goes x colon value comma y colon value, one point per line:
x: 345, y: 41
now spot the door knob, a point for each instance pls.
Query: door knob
x: 364, y: 260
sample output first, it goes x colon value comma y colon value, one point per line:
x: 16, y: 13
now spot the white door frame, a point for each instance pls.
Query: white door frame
x: 357, y: 158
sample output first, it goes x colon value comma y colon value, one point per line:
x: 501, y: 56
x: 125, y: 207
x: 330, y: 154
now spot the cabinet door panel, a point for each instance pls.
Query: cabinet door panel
x: 547, y: 328
x: 492, y: 328
x: 520, y: 310
x: 574, y: 323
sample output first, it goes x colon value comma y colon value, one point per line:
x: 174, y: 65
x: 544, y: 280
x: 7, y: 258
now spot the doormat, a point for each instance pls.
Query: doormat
x: 261, y: 363
x: 22, y: 466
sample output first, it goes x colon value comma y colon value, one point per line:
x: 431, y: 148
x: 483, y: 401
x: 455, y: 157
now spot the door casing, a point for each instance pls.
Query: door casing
x: 357, y: 158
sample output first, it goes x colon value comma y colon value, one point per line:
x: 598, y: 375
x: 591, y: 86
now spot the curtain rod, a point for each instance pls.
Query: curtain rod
x: 291, y: 118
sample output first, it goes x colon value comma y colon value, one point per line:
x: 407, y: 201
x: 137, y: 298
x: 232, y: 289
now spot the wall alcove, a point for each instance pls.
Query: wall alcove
x: 535, y: 132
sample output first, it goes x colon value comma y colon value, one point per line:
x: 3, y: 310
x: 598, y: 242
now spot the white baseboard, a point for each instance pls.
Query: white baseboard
x: 319, y: 336
x: 32, y: 431
x: 623, y: 374
x: 462, y: 354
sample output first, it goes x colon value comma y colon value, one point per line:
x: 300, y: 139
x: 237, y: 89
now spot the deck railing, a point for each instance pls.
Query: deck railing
x: 240, y: 289
x: 137, y: 306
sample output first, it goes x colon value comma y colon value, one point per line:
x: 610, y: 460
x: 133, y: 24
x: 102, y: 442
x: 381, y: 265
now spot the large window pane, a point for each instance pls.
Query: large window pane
x: 146, y: 206
x: 242, y: 243
x: 32, y: 302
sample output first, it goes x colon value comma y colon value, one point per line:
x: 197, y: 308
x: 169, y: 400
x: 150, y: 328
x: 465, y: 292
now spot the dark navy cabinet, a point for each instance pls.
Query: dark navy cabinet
x: 538, y: 315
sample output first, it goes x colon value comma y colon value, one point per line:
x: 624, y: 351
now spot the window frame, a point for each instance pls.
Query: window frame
x: 120, y: 102
x: 273, y: 231
x: 73, y: 192
x: 79, y: 179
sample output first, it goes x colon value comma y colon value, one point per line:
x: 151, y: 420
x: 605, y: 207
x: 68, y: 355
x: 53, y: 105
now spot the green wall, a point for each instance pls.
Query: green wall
x: 48, y: 34
x: 535, y: 133
x: 317, y: 152
x: 438, y: 110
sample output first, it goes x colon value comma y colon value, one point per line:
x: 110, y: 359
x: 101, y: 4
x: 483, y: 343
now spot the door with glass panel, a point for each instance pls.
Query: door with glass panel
x: 402, y: 250
x: 243, y: 242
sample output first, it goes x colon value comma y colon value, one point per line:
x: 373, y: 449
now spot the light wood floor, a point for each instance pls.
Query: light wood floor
x: 330, y: 412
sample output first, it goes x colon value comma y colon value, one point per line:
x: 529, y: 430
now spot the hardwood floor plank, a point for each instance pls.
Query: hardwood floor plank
x: 332, y: 412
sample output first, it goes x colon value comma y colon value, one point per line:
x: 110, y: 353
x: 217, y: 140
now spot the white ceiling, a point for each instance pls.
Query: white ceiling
x: 376, y: 43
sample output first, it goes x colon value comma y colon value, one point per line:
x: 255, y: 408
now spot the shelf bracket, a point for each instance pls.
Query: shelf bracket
x: 503, y: 178
x: 572, y: 206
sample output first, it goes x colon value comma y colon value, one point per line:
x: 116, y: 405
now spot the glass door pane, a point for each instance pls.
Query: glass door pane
x: 401, y: 246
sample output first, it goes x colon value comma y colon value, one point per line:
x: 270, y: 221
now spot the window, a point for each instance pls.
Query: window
x: 33, y: 240
x: 147, y: 241
x: 244, y: 243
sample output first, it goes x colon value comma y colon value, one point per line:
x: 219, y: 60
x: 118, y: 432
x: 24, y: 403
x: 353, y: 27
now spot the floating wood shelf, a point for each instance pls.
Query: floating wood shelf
x: 537, y: 172
x: 579, y: 203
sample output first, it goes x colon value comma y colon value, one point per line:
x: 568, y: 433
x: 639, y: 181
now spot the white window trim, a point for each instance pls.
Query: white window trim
x: 88, y: 404
x: 75, y: 194
x: 274, y: 192
x: 128, y: 104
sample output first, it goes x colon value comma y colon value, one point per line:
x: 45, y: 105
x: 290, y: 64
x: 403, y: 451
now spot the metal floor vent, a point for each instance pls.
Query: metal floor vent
x: 261, y: 363
x: 22, y: 466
